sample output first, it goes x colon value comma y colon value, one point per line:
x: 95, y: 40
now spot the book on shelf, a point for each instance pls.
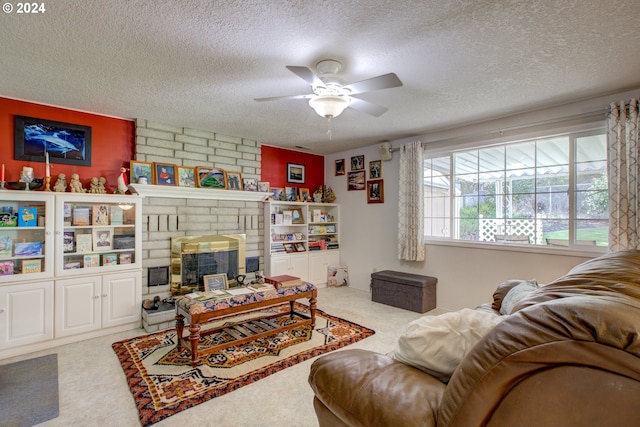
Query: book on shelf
x: 84, y: 243
x: 68, y: 241
x: 31, y: 266
x: 6, y: 246
x: 81, y: 217
x: 91, y: 260
x: 109, y: 259
x: 27, y: 217
x: 6, y: 268
x: 284, y: 281
x: 100, y: 215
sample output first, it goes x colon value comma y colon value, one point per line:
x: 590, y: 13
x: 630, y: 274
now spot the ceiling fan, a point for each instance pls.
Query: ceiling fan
x: 330, y: 95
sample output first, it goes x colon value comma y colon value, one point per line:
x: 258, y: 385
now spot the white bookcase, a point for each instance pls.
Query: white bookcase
x: 301, y: 239
x: 57, y: 287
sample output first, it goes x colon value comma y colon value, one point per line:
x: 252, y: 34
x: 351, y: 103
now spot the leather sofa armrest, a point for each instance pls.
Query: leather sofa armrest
x: 595, y: 333
x: 363, y: 388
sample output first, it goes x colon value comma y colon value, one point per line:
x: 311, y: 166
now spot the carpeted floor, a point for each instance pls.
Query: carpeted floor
x: 29, y: 391
x: 163, y: 382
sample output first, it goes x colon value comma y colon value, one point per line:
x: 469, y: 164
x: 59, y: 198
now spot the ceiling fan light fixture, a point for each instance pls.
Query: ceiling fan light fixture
x: 329, y: 106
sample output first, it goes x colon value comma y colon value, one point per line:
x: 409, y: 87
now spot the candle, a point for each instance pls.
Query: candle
x: 2, y: 177
x: 48, y: 169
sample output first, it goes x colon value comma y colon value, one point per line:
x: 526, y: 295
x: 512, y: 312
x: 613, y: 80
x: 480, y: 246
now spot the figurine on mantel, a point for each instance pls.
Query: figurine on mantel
x: 122, y: 182
x: 76, y: 185
x: 61, y: 183
x: 97, y: 185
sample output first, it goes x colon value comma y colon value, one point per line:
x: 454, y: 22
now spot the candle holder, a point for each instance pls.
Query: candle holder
x: 2, y: 187
x: 47, y: 183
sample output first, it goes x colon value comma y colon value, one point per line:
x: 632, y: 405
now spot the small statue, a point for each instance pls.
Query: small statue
x: 102, y: 187
x: 76, y: 185
x: 93, y: 187
x: 122, y: 188
x: 61, y: 183
x: 318, y: 194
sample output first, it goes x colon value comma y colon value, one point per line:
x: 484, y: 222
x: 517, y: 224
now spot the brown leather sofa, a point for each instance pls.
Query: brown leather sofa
x: 569, y: 355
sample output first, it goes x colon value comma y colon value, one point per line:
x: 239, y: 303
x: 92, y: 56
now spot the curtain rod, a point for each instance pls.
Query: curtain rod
x: 592, y: 114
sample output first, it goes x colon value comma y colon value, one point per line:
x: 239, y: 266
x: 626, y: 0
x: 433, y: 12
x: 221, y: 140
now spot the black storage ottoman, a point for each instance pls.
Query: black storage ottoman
x: 404, y: 290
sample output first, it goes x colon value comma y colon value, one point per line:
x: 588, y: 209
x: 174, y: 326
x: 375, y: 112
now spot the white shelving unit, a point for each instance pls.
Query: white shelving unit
x: 54, y: 290
x: 302, y: 239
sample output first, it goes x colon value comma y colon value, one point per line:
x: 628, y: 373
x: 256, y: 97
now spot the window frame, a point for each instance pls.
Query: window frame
x: 573, y: 133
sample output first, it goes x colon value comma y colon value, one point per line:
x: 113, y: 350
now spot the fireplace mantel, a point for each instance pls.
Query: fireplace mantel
x: 149, y: 190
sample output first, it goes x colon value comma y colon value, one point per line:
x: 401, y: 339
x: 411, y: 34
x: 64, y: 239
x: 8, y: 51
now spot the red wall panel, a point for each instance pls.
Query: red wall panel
x: 113, y: 142
x: 274, y: 167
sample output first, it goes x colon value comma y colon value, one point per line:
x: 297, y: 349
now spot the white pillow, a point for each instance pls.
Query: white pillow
x: 437, y: 344
x: 517, y: 294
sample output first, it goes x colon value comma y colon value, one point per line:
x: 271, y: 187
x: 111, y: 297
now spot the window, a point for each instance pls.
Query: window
x: 548, y: 191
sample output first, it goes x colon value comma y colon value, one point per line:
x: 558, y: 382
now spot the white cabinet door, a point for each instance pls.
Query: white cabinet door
x: 26, y: 314
x: 78, y: 305
x: 279, y: 266
x: 319, y: 262
x: 121, y: 298
x: 299, y: 266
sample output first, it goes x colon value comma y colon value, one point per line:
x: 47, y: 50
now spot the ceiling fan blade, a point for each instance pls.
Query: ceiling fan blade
x: 306, y: 74
x: 275, y: 98
x: 384, y: 81
x: 367, y: 107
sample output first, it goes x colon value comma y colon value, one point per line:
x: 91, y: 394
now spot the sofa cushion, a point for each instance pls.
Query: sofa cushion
x: 437, y: 344
x: 517, y: 294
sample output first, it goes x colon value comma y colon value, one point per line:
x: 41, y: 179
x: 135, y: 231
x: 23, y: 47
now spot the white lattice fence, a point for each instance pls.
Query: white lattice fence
x: 490, y: 227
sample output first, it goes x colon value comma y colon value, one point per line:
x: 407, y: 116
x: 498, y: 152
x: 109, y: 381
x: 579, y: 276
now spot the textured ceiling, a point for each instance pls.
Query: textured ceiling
x: 200, y: 64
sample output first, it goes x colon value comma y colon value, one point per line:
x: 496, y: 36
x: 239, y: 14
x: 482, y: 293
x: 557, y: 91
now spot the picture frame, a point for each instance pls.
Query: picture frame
x: 102, y: 239
x: 213, y: 282
x: 299, y: 247
x: 356, y: 180
x: 139, y: 170
x: 233, y: 180
x: 357, y: 163
x: 250, y: 184
x: 338, y: 167
x: 289, y: 247
x: 186, y: 176
x: 375, y: 169
x: 209, y: 177
x: 164, y: 174
x: 295, y: 173
x: 296, y: 215
x: 66, y: 143
x: 263, y: 186
x: 291, y: 194
x: 305, y: 194
x: 375, y: 191
x: 277, y: 193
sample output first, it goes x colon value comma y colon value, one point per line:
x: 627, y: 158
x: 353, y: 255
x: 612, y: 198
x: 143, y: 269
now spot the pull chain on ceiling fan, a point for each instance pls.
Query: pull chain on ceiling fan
x: 331, y: 96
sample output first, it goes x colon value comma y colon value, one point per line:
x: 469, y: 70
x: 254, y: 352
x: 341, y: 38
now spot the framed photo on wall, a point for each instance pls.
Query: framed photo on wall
x: 357, y: 163
x: 66, y: 143
x: 356, y: 180
x: 375, y: 191
x: 186, y: 176
x: 214, y: 282
x: 375, y: 169
x: 295, y: 173
x: 139, y: 170
x: 338, y: 167
x: 165, y: 174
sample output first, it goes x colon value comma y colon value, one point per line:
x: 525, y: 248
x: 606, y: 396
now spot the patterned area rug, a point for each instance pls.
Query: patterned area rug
x: 163, y: 382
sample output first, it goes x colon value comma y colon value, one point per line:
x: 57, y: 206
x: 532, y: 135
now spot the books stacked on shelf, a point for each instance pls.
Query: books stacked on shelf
x: 284, y: 281
x: 277, y: 247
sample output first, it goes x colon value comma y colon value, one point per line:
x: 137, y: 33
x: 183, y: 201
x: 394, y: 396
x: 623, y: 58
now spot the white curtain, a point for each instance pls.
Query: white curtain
x: 411, y: 203
x: 623, y: 169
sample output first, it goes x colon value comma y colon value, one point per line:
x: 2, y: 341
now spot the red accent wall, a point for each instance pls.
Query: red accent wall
x: 274, y: 167
x: 113, y: 142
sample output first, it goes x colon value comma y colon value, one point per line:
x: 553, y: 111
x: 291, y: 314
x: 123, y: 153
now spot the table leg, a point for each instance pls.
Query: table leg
x: 312, y: 309
x: 179, y: 328
x: 291, y: 309
x: 194, y: 330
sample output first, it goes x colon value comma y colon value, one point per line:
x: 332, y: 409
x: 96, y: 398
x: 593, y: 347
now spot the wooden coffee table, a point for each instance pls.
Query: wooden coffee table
x: 194, y: 313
